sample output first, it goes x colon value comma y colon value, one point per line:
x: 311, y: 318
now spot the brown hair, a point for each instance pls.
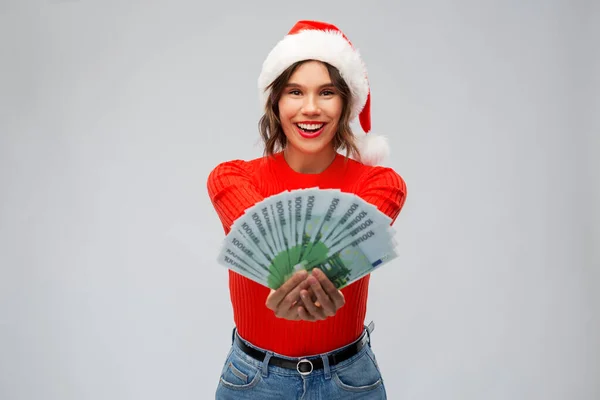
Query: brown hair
x: 269, y: 125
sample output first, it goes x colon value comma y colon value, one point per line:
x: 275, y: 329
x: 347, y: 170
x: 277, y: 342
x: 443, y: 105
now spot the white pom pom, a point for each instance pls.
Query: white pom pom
x: 374, y: 149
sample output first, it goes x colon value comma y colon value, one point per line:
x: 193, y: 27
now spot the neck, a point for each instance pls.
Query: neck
x: 309, y: 163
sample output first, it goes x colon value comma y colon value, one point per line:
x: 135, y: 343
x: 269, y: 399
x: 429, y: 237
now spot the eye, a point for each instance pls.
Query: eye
x: 295, y: 92
x: 327, y: 92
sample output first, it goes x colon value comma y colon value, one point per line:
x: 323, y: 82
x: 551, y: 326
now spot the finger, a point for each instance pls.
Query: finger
x: 288, y: 313
x: 304, y: 315
x: 293, y: 314
x: 336, y: 296
x: 315, y: 312
x: 270, y: 295
x: 287, y: 309
x: 277, y: 296
x: 326, y: 303
x: 311, y: 293
x: 293, y: 296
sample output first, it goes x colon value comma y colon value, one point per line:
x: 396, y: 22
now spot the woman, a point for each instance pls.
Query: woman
x: 307, y: 339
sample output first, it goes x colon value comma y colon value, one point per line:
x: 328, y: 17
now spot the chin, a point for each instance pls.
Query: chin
x: 311, y: 148
x: 310, y: 151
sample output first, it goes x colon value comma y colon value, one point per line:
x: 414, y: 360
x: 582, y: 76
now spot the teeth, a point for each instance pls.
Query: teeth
x: 310, y: 127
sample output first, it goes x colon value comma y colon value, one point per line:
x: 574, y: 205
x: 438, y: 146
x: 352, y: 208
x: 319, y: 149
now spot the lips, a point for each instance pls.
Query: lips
x: 310, y: 129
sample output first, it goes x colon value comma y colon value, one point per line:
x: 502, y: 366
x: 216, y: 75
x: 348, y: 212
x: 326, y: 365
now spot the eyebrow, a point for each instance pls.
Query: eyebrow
x: 292, y: 84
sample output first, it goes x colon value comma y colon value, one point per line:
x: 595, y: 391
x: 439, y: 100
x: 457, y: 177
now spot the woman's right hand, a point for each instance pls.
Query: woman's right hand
x: 284, y: 301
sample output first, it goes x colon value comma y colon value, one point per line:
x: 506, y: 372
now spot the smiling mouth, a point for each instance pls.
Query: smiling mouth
x: 310, y: 128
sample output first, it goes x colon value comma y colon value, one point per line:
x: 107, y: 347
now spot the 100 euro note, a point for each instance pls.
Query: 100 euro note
x: 328, y: 201
x: 275, y: 209
x: 302, y: 204
x: 356, y: 213
x: 321, y: 208
x: 304, y: 229
x: 273, y: 230
x: 355, y: 236
x: 248, y: 248
x: 305, y: 206
x: 356, y: 259
x: 239, y: 262
x: 345, y: 218
x: 313, y: 216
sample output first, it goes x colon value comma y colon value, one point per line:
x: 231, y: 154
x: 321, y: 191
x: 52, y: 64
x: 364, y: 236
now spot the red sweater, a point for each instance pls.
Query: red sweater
x: 236, y: 185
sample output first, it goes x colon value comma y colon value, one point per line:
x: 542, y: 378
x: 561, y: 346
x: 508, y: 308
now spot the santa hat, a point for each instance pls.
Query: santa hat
x: 321, y: 41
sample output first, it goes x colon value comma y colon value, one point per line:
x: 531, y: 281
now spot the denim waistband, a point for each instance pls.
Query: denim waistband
x: 264, y: 365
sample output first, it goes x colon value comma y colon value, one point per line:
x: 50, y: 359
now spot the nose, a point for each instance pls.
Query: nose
x: 310, y: 106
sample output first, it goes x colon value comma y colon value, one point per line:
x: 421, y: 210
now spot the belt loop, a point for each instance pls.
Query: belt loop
x: 326, y: 369
x: 265, y: 364
x: 233, y: 335
x: 369, y: 330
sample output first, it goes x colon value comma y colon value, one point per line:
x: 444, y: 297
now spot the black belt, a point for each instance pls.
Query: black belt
x: 305, y: 366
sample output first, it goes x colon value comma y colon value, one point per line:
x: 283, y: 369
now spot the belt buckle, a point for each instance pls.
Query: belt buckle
x: 304, y: 360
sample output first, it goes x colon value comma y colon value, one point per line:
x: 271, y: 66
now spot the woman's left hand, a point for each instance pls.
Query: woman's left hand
x: 329, y: 299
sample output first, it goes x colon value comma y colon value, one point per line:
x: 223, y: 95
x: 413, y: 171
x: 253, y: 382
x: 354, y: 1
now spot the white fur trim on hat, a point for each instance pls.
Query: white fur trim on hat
x: 323, y: 45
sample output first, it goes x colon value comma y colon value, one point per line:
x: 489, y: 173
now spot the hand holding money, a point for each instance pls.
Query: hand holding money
x: 317, y: 293
x: 283, y: 301
x: 329, y: 299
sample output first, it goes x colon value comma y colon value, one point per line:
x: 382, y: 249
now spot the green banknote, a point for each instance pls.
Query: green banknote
x: 334, y: 231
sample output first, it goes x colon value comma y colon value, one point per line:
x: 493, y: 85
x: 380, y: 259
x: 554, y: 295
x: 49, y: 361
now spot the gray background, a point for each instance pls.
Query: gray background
x: 112, y: 114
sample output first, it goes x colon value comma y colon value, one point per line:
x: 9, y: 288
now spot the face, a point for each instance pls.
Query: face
x: 310, y: 109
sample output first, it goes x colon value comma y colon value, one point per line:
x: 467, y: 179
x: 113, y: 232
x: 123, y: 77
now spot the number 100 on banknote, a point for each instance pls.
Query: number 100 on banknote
x: 337, y: 232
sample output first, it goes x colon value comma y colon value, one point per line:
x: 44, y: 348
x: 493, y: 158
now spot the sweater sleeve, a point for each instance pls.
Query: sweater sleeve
x: 232, y: 190
x: 383, y: 188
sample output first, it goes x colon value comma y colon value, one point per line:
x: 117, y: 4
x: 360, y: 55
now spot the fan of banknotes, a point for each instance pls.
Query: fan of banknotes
x: 337, y: 232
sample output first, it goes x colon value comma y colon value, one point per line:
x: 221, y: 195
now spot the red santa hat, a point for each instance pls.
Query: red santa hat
x: 321, y: 41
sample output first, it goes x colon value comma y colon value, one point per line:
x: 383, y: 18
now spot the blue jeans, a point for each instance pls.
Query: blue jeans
x: 243, y: 377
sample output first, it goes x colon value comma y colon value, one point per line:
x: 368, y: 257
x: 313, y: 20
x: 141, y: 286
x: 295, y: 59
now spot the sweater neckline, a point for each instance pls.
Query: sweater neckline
x: 333, y: 170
